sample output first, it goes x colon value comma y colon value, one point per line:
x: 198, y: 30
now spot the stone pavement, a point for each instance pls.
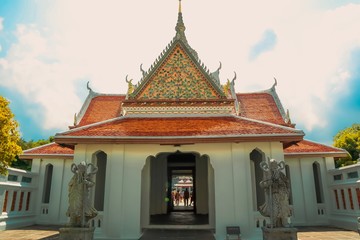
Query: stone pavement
x: 35, y: 232
x: 38, y: 232
x: 177, y: 234
x: 326, y: 233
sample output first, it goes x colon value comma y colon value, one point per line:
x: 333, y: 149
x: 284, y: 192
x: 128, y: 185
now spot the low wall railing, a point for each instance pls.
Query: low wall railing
x: 17, y: 193
x: 344, y: 190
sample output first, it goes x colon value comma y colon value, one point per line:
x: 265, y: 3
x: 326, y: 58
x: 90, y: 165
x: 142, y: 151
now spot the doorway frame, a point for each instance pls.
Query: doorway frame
x: 146, y: 186
x: 170, y: 207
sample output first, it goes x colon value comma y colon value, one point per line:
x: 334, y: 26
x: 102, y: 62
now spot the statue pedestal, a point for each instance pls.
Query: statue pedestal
x: 72, y: 233
x: 279, y: 233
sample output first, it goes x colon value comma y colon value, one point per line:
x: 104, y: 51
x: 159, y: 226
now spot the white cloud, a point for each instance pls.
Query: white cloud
x: 40, y: 81
x: 1, y: 28
x: 105, y: 42
x: 1, y: 24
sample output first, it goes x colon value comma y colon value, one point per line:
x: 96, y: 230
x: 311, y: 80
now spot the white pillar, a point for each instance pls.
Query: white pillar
x: 201, y: 188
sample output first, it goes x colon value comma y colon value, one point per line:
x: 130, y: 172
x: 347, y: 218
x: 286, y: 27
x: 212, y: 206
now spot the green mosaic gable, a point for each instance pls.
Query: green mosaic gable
x: 178, y: 78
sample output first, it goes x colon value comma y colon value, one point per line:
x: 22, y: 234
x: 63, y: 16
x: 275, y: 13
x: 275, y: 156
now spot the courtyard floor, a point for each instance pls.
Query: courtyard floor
x: 38, y: 232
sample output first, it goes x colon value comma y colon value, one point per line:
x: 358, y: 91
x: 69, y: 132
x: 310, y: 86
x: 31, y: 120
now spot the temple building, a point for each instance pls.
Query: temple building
x: 179, y: 122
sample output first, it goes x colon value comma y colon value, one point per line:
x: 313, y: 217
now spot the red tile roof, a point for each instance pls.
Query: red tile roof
x: 52, y: 149
x: 102, y: 108
x: 260, y: 106
x: 177, y: 127
x: 309, y: 147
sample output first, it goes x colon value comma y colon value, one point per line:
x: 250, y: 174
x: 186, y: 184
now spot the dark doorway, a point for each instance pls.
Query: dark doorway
x: 180, y: 193
x: 181, y: 182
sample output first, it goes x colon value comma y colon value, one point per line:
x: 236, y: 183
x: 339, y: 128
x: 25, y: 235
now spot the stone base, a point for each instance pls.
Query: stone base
x: 279, y: 233
x: 72, y: 233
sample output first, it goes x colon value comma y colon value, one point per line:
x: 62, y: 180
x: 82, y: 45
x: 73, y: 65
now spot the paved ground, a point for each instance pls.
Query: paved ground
x: 166, y: 234
x: 326, y: 233
x: 35, y: 232
x: 51, y: 233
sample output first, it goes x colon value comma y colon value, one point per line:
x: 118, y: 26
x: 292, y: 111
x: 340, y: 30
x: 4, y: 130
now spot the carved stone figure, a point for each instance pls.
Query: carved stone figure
x: 80, y: 209
x: 277, y: 189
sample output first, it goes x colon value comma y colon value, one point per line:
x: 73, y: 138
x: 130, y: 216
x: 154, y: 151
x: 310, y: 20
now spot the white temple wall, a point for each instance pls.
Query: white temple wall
x: 67, y: 175
x: 54, y: 211
x: 306, y: 210
x: 125, y: 190
x: 231, y: 188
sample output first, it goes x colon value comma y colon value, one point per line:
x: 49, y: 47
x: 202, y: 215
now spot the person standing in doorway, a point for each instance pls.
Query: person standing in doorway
x: 186, y: 197
x: 177, y: 197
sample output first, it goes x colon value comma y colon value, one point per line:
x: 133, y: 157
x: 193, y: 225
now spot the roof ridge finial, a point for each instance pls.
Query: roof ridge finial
x: 180, y: 26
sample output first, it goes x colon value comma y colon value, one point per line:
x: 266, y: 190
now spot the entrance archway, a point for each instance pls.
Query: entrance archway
x: 178, y: 171
x: 181, y: 192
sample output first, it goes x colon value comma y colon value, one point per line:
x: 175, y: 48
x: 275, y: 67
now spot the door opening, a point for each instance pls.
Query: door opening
x: 182, y: 191
x: 185, y: 172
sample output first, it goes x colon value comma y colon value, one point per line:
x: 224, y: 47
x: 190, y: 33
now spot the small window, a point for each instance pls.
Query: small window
x: 318, y: 184
x: 338, y: 177
x: 12, y: 178
x: 337, y: 199
x: 47, y: 183
x: 353, y: 175
x: 99, y: 196
x: 26, y: 179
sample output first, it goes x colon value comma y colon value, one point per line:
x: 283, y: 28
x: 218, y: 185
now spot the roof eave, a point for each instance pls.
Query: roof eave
x: 47, y: 156
x: 73, y: 140
x: 315, y: 154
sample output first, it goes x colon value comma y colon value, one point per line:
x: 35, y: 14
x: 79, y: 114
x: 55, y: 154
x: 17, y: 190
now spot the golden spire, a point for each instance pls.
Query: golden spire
x: 180, y: 26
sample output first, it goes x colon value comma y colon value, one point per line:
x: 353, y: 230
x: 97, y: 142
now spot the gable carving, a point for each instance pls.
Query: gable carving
x: 178, y: 78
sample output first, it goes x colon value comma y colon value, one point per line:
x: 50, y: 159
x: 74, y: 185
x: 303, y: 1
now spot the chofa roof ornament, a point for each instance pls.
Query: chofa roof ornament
x: 88, y: 86
x: 275, y: 84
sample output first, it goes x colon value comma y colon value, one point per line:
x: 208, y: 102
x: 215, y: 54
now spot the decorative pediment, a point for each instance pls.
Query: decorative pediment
x: 178, y: 76
x: 179, y: 83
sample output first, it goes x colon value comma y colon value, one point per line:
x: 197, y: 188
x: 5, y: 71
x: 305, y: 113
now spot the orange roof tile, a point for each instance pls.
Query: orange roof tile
x: 309, y: 147
x: 177, y: 127
x: 260, y: 106
x: 102, y: 108
x: 53, y: 149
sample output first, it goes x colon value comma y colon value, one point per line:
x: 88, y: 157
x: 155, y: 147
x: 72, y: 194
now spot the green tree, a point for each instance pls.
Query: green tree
x: 32, y: 144
x: 9, y: 136
x: 26, y: 164
x: 349, y: 139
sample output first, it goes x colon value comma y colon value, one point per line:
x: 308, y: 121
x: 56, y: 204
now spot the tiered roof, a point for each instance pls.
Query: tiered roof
x: 177, y: 130
x: 102, y: 107
x: 178, y: 101
x: 264, y: 106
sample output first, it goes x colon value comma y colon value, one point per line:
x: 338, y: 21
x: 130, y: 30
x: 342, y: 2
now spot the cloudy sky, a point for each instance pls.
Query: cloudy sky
x: 50, y: 49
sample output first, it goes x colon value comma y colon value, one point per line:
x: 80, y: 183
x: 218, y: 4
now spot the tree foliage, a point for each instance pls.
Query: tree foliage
x: 26, y: 164
x: 349, y: 139
x: 32, y: 144
x: 9, y: 136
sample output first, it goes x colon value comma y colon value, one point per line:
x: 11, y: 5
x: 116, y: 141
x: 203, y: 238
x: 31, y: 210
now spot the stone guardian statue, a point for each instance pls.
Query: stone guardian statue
x: 277, y: 189
x: 80, y: 209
